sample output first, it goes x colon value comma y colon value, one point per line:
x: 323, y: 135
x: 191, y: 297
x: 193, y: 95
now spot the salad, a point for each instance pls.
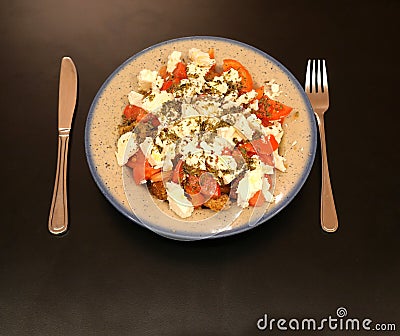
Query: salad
x: 201, y: 135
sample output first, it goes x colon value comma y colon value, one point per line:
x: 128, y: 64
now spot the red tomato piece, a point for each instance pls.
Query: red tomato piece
x: 192, y: 185
x: 163, y: 72
x: 149, y: 118
x: 247, y: 81
x: 142, y: 169
x: 136, y: 162
x: 166, y: 85
x: 180, y: 71
x: 247, y: 149
x: 134, y: 112
x: 260, y: 92
x: 177, y: 175
x: 274, y: 144
x: 272, y: 109
x: 268, y: 159
x: 156, y: 177
x: 257, y: 200
x: 149, y: 171
x: 197, y: 200
x: 209, y: 186
x: 262, y: 146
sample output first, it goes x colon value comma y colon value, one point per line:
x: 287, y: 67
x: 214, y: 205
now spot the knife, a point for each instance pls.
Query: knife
x: 58, y: 218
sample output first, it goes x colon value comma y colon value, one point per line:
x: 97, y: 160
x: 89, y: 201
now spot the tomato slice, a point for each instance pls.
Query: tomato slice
x: 166, y: 85
x: 260, y: 92
x: 268, y: 159
x: 262, y: 147
x: 247, y: 81
x: 134, y: 112
x: 209, y: 186
x: 177, y: 175
x: 197, y: 200
x: 157, y: 176
x: 274, y: 144
x: 163, y: 72
x: 257, y: 199
x: 272, y: 110
x: 142, y: 169
x: 136, y: 162
x: 149, y: 171
x: 192, y: 185
x: 247, y: 149
x: 211, y: 53
x: 180, y: 71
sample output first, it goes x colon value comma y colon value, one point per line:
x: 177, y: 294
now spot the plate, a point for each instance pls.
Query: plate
x: 101, y: 133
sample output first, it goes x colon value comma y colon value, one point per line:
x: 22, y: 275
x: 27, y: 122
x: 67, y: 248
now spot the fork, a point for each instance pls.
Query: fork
x: 316, y: 87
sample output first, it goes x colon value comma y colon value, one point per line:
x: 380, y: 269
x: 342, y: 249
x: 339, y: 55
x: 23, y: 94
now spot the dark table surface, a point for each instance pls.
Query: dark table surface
x: 109, y: 276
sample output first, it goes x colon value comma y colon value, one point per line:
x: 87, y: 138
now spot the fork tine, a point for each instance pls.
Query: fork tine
x: 313, y: 77
x: 308, y: 75
x: 325, y: 77
x: 319, y: 80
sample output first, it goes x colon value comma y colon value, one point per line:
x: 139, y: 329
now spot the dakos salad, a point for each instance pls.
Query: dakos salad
x: 201, y: 135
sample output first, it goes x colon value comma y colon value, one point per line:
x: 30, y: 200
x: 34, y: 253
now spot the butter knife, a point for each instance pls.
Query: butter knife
x: 58, y: 218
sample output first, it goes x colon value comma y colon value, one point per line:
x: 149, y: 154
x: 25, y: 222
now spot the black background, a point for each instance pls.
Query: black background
x: 108, y: 276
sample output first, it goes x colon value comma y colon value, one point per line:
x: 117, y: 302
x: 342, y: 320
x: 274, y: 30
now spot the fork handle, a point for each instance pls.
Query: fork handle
x: 329, y: 220
x: 58, y: 218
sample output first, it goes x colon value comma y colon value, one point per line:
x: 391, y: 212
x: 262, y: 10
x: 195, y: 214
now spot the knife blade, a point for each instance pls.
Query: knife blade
x: 58, y: 218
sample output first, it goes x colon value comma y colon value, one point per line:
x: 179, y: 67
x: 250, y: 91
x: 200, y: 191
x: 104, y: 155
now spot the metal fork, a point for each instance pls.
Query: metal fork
x: 316, y: 87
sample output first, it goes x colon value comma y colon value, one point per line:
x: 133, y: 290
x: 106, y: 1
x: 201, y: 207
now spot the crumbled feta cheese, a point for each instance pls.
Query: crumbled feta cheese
x: 248, y: 186
x: 188, y: 110
x: 186, y: 88
x: 135, y: 98
x: 188, y: 145
x: 220, y: 143
x: 207, y: 148
x: 157, y: 84
x: 185, y: 127
x: 247, y: 97
x: 226, y: 162
x: 279, y: 161
x: 146, y: 146
x: 196, y: 159
x: 254, y: 122
x: 265, y: 190
x: 232, y: 76
x: 169, y: 156
x: 200, y: 58
x: 208, y: 108
x: 154, y: 102
x: 126, y: 147
x: 219, y: 85
x: 254, y: 105
x: 272, y: 89
x: 275, y: 129
x: 243, y: 126
x: 177, y: 200
x: 230, y: 103
x: 173, y: 59
x: 146, y: 78
x: 227, y: 133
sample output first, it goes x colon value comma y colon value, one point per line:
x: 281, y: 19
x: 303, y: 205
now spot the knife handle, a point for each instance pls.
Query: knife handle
x: 58, y: 219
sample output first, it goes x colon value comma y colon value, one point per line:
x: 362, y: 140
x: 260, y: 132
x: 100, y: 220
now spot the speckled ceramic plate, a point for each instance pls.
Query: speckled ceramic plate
x: 101, y: 133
